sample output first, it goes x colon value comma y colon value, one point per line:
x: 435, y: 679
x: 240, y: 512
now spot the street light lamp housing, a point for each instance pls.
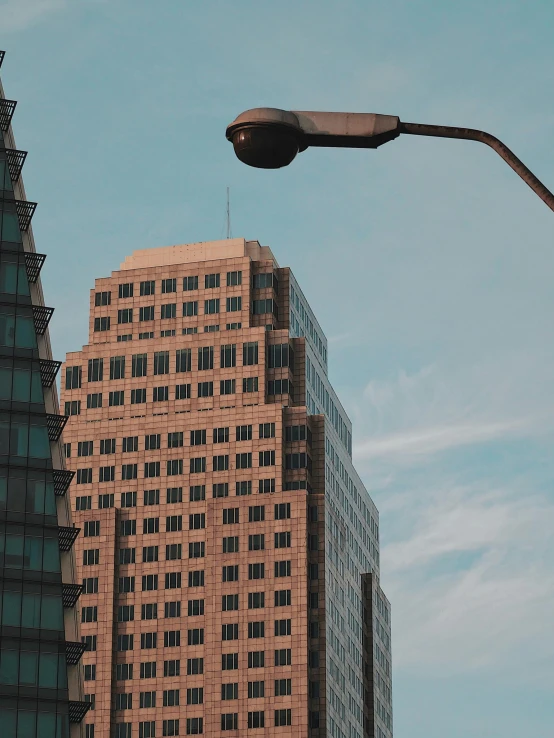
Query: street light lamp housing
x: 269, y: 138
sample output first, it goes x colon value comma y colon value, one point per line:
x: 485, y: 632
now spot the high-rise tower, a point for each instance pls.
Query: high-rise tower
x: 230, y: 558
x: 40, y: 650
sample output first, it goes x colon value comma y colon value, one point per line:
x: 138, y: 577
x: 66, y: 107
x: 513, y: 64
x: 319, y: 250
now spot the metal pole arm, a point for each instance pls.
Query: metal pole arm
x: 471, y: 134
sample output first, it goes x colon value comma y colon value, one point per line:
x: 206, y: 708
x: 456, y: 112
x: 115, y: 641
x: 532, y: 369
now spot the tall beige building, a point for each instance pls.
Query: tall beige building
x: 230, y: 559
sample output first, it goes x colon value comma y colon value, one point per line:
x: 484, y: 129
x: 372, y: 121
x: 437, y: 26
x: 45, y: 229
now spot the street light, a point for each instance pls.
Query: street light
x: 269, y: 138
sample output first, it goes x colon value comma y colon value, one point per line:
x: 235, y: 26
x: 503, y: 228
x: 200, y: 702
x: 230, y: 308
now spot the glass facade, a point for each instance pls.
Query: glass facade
x: 36, y: 657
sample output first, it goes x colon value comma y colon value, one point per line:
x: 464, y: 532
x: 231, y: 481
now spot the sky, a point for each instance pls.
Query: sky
x: 429, y: 264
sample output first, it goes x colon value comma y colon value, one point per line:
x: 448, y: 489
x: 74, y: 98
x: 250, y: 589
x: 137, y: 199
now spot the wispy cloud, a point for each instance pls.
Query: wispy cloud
x: 16, y: 15
x: 426, y: 441
x: 472, y: 581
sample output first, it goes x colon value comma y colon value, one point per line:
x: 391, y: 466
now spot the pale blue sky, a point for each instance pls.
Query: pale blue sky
x: 429, y: 264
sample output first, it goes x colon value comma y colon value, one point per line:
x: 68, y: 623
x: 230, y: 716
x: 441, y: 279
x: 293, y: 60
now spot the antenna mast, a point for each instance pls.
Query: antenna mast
x: 229, y: 232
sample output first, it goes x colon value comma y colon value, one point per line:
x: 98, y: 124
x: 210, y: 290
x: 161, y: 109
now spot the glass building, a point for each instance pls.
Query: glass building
x: 40, y: 651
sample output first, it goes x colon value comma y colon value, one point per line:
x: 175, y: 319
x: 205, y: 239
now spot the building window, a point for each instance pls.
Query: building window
x: 211, y: 281
x: 256, y: 629
x: 250, y: 353
x: 84, y: 502
x: 221, y: 462
x: 125, y: 613
x: 280, y: 355
x: 261, y: 307
x: 152, y: 469
x: 161, y: 362
x: 190, y: 309
x: 198, y: 465
x: 205, y: 389
x: 147, y: 288
x: 280, y: 387
x: 195, y: 636
x: 127, y: 527
x: 174, y: 523
x: 102, y: 298
x: 89, y: 672
x: 230, y: 515
x: 283, y: 627
x: 149, y: 583
x: 89, y: 614
x: 182, y: 392
x: 196, y: 578
x: 125, y: 316
x: 190, y: 283
x: 197, y: 521
x: 256, y: 571
x: 173, y: 551
x: 282, y: 511
x: 282, y: 597
x: 94, y: 401
x: 197, y: 493
x: 195, y: 726
x: 148, y: 640
x: 90, y: 585
x: 72, y: 407
x: 123, y: 672
x: 148, y: 670
x: 211, y: 307
x: 126, y: 290
x: 266, y: 486
x: 283, y: 687
x: 256, y: 542
x: 73, y: 377
x: 266, y: 458
x: 230, y: 721
x: 138, y: 396
x: 228, y: 356
x: 234, y: 279
x: 147, y: 699
x: 126, y: 556
x: 256, y: 513
x: 160, y: 394
x: 84, y: 476
x: 146, y: 313
x: 172, y: 639
x: 221, y: 489
x: 256, y: 719
x: 101, y: 324
x: 183, y: 362
x: 169, y: 285
x: 229, y: 661
x: 282, y: 540
x: 169, y: 310
x: 230, y: 573
x: 174, y: 494
x: 244, y: 461
x: 250, y: 384
x: 244, y: 433
x: 256, y: 659
x: 256, y: 600
x: 229, y: 602
x: 231, y: 544
x: 128, y: 499
x: 227, y: 387
x: 139, y: 365
x: 195, y: 608
x: 151, y: 497
x: 233, y: 326
x: 172, y: 610
x: 107, y: 446
x: 233, y: 304
x: 148, y: 334
x: 195, y: 666
x: 283, y: 657
x: 283, y: 717
x: 243, y: 488
x: 116, y: 398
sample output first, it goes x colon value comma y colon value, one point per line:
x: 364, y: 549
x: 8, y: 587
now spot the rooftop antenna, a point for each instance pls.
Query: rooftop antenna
x: 229, y: 232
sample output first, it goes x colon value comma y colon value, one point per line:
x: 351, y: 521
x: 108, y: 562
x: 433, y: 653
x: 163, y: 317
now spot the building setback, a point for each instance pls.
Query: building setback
x: 230, y: 557
x: 40, y: 650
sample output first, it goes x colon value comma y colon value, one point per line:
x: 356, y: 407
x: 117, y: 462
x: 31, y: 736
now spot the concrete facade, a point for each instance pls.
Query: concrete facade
x: 204, y: 490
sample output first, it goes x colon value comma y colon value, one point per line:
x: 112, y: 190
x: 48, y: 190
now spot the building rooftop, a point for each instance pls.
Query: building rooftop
x: 201, y: 251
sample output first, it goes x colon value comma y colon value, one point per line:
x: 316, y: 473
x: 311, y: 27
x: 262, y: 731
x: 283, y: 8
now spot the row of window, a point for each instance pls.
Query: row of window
x: 197, y: 465
x: 189, y: 309
x: 278, y: 355
x: 189, y: 284
x: 188, y: 331
x: 181, y: 392
x: 148, y: 287
x: 229, y: 662
x: 195, y: 725
x: 195, y: 695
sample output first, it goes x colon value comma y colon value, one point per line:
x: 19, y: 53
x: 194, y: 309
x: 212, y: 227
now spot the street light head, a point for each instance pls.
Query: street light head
x: 266, y: 138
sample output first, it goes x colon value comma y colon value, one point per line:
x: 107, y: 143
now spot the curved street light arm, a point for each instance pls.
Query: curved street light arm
x: 471, y: 134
